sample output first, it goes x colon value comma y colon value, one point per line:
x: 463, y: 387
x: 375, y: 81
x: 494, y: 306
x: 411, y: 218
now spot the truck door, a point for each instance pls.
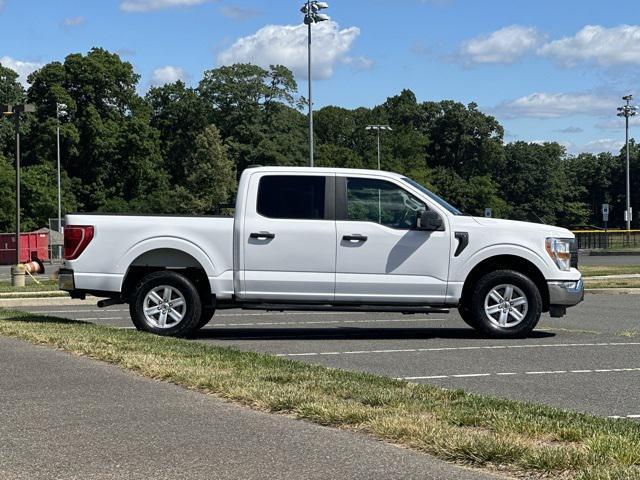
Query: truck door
x: 381, y: 257
x: 289, y: 238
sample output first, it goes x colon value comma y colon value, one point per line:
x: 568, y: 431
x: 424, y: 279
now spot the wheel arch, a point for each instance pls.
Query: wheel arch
x: 507, y: 262
x: 167, y: 258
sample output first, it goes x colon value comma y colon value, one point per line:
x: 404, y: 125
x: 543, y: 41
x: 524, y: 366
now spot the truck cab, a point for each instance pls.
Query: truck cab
x: 325, y: 239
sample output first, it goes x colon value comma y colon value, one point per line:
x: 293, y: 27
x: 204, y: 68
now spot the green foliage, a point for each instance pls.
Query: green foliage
x: 7, y: 195
x: 180, y: 149
x: 40, y: 196
x: 210, y: 175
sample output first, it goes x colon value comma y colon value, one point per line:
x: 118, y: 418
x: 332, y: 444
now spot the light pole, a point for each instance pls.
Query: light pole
x: 311, y: 15
x: 378, y: 128
x: 61, y: 111
x: 627, y: 111
x: 17, y: 111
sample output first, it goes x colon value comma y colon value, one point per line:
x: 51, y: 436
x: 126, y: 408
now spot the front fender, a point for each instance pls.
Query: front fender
x: 461, y: 267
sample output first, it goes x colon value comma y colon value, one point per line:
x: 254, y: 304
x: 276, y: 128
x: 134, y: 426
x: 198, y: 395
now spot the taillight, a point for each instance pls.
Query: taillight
x: 76, y: 239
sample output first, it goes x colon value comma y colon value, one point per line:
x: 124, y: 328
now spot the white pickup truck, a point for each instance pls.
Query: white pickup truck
x: 324, y: 239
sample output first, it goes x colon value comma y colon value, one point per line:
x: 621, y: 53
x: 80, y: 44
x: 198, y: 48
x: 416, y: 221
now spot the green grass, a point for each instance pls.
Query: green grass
x: 619, y: 283
x: 598, y: 270
x: 514, y: 437
x: 45, y: 285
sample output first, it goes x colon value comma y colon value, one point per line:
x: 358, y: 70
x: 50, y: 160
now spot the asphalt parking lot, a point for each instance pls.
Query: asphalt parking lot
x: 588, y: 361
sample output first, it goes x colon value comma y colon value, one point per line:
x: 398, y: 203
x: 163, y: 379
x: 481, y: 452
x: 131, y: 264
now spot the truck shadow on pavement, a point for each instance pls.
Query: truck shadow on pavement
x: 346, y: 333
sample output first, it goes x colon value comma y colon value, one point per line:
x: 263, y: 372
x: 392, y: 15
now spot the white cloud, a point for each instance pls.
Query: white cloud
x: 2, y: 3
x: 554, y: 105
x: 168, y: 74
x: 151, y: 5
x: 603, y: 145
x: 596, y: 44
x: 73, y: 22
x: 238, y: 13
x: 21, y: 68
x: 506, y: 45
x: 287, y: 45
x: 359, y: 63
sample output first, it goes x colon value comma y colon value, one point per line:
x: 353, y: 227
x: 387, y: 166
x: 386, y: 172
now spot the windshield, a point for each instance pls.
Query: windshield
x: 447, y: 206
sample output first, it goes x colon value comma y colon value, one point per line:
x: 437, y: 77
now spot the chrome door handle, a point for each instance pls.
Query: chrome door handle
x: 355, y: 238
x: 262, y: 235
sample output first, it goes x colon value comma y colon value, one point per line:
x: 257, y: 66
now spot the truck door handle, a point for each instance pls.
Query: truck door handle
x: 263, y: 235
x: 355, y: 238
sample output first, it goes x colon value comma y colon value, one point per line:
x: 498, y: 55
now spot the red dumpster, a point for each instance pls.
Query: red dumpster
x: 32, y: 245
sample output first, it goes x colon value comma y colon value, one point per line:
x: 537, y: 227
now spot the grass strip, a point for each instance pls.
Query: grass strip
x: 598, y: 270
x: 516, y: 437
x: 615, y: 283
x: 31, y: 286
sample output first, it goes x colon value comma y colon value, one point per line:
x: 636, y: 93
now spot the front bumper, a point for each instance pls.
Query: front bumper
x: 566, y: 293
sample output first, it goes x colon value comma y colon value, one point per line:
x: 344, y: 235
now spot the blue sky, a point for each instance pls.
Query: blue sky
x: 548, y: 70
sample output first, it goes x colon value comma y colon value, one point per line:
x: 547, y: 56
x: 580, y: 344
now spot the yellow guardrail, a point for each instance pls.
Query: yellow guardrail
x: 605, y: 231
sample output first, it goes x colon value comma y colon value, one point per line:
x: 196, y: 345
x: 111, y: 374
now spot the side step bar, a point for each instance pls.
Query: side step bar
x: 405, y: 309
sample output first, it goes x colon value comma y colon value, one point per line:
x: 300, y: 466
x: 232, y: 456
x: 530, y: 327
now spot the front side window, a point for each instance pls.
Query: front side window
x: 292, y: 197
x: 378, y: 201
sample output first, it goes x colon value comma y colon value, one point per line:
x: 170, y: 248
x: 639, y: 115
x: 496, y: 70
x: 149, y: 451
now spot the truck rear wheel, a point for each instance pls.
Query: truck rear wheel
x: 166, y: 303
x: 504, y: 304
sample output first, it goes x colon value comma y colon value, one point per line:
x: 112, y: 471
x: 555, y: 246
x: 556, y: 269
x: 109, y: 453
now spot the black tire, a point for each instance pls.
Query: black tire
x: 467, y: 315
x: 205, y: 317
x: 475, y: 315
x: 191, y: 314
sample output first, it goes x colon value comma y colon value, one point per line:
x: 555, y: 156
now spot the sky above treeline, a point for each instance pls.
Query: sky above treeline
x: 548, y: 70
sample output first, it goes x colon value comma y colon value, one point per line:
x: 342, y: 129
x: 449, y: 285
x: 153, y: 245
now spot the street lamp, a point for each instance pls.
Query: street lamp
x: 379, y: 128
x: 311, y: 16
x: 627, y: 111
x: 61, y: 112
x: 17, y: 111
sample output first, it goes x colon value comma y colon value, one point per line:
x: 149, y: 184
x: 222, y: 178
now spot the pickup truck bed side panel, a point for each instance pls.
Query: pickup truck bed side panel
x: 119, y: 240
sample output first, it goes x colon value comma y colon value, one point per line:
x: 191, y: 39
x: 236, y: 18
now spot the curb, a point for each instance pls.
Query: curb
x: 40, y: 294
x: 44, y: 301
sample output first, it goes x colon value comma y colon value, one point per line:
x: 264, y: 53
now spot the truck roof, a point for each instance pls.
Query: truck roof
x: 343, y: 171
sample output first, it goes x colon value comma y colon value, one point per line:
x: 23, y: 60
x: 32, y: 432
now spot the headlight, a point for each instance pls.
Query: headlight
x: 559, y: 249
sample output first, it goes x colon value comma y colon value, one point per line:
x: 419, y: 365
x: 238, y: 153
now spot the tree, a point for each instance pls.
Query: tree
x: 533, y: 182
x: 471, y: 195
x: 40, y: 196
x: 180, y: 114
x: 210, y: 175
x: 108, y: 143
x: 463, y: 138
x: 7, y: 195
x: 11, y: 92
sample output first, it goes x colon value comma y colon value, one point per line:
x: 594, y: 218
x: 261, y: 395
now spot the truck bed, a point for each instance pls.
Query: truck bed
x: 119, y: 240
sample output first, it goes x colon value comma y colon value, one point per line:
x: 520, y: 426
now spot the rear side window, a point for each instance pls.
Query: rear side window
x: 293, y: 197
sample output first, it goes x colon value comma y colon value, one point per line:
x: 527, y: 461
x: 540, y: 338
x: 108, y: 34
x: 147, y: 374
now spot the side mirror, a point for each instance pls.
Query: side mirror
x: 429, y: 221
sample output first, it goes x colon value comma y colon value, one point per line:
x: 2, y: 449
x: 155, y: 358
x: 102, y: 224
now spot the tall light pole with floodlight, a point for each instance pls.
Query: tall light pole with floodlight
x: 17, y: 111
x: 627, y: 111
x: 311, y: 16
x: 378, y: 129
x: 61, y: 111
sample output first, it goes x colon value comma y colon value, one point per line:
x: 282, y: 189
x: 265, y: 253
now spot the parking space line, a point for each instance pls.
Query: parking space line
x: 624, y: 416
x: 453, y: 349
x: 547, y: 372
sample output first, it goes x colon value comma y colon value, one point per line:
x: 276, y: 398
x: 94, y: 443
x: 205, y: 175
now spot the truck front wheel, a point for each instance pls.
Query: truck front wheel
x: 504, y: 304
x: 166, y: 303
